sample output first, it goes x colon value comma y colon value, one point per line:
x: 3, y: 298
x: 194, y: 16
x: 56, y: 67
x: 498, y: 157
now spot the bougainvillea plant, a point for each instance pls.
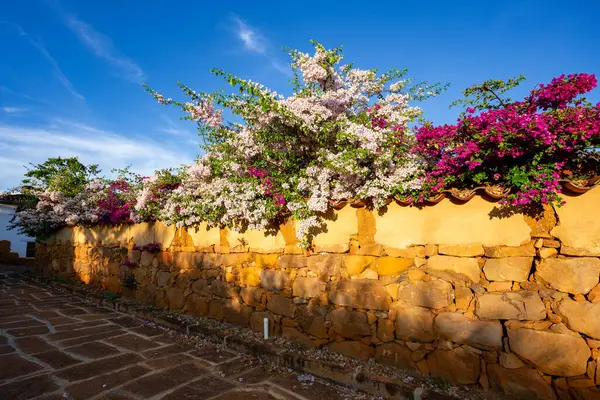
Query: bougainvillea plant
x: 341, y: 134
x: 526, y: 145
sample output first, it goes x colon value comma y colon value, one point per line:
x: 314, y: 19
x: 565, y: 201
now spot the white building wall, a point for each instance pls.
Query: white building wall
x: 18, y: 243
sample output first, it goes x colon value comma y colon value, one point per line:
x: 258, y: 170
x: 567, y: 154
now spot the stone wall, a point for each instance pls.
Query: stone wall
x: 458, y: 291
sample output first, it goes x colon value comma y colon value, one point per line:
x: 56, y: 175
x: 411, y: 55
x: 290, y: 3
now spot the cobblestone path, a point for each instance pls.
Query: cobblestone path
x: 55, y: 347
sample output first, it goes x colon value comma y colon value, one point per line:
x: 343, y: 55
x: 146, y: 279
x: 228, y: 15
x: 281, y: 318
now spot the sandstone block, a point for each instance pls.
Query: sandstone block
x: 215, y: 309
x: 250, y: 276
x: 308, y: 287
x: 312, y: 320
x: 454, y: 268
x: 522, y: 305
x: 281, y: 305
x: 274, y: 280
x: 197, y: 305
x: 409, y: 252
x: 552, y: 353
x: 431, y: 294
x: 353, y: 349
x: 500, y: 287
x: 575, y: 275
x: 356, y: 264
x: 415, y: 323
x: 527, y: 250
x: 257, y: 322
x: 463, y: 297
x: 391, y: 266
x: 458, y: 366
x: 201, y: 287
x: 252, y: 295
x: 222, y: 289
x: 466, y: 250
x: 358, y: 293
x: 236, y: 312
x: 174, y: 298
x: 459, y: 329
x: 146, y: 259
x: 508, y: 269
x: 510, y: 361
x: 385, y: 330
x: 395, y: 355
x: 293, y: 261
x: 301, y: 338
x: 522, y: 383
x: 325, y: 264
x: 350, y: 324
x: 546, y: 252
x: 581, y: 316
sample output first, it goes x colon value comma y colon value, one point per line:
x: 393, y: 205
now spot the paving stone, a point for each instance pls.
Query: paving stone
x: 58, y: 321
x: 166, y: 350
x: 6, y: 349
x: 171, y: 361
x: 18, y: 366
x: 81, y: 332
x: 98, y: 367
x: 154, y: 384
x: 28, y: 388
x: 57, y: 359
x: 33, y: 344
x: 132, y: 342
x: 234, y: 367
x: 79, y: 325
x: 92, y: 350
x: 22, y: 332
x: 201, y: 389
x: 148, y: 331
x: 74, y: 311
x: 214, y: 355
x: 91, y: 338
x: 126, y: 322
x: 99, y: 384
x: 3, y: 339
x: 21, y: 324
x: 45, y: 314
x: 256, y: 375
x: 115, y: 396
x: 247, y: 395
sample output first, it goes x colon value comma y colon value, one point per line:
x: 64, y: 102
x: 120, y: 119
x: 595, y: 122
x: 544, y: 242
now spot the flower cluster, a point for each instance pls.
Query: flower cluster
x: 527, y: 145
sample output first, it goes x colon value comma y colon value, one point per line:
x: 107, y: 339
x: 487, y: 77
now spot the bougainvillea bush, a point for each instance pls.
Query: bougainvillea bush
x: 527, y: 145
x: 342, y: 133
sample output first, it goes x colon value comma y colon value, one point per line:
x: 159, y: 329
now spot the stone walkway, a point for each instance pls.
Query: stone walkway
x: 55, y: 347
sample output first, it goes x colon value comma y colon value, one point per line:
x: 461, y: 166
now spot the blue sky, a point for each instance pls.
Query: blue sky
x: 71, y: 71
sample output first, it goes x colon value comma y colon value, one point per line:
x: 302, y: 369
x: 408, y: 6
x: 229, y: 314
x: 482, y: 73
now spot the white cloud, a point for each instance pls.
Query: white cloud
x: 252, y: 39
x: 13, y: 110
x: 102, y: 47
x: 55, y: 68
x: 21, y: 145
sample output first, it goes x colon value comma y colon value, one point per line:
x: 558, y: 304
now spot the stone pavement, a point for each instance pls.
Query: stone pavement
x: 55, y: 347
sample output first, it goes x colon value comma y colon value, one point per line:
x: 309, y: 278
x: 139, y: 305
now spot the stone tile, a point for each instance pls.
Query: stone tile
x: 214, y: 355
x: 28, y: 388
x: 99, y: 384
x: 170, y: 361
x: 95, y: 317
x: 21, y: 324
x: 103, y: 366
x: 90, y: 338
x: 73, y: 311
x: 256, y: 394
x: 57, y: 359
x: 100, y: 310
x: 148, y: 331
x: 58, y: 321
x: 3, y: 339
x: 80, y: 325
x: 23, y: 332
x: 118, y: 395
x: 126, y: 322
x: 6, y: 349
x: 18, y: 366
x: 154, y: 384
x: 81, y: 332
x: 235, y: 367
x: 132, y: 342
x: 201, y: 389
x: 308, y: 390
x: 167, y: 350
x: 45, y: 314
x: 255, y: 375
x: 92, y: 350
x: 33, y: 344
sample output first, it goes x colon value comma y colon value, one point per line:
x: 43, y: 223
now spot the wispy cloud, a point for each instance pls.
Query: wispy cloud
x: 102, y: 46
x: 255, y: 42
x: 13, y: 110
x: 55, y: 67
x: 21, y: 145
x: 250, y: 37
